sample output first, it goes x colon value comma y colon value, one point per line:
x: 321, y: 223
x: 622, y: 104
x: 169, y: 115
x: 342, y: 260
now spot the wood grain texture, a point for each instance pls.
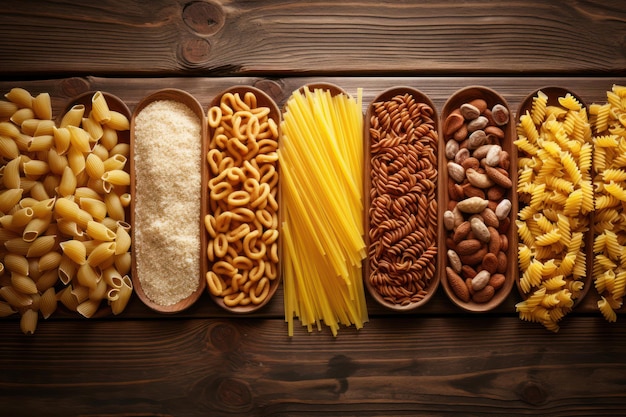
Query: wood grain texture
x: 283, y: 37
x: 481, y: 366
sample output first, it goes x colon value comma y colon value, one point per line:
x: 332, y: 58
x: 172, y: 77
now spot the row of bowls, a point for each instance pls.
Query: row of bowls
x: 461, y: 96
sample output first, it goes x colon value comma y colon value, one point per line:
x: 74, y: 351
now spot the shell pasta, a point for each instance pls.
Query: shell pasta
x: 57, y: 227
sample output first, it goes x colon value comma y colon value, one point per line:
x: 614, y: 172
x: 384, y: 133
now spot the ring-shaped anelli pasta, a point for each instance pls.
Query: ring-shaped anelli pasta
x: 234, y: 299
x: 260, y: 291
x: 253, y: 128
x: 214, y: 116
x: 227, y: 162
x: 236, y: 174
x: 265, y: 217
x: 274, y: 252
x: 220, y: 245
x: 250, y: 99
x: 267, y: 145
x: 223, y: 221
x: 238, y: 198
x: 270, y: 236
x: 221, y: 190
x: 257, y: 271
x: 215, y: 283
x: 210, y: 224
x: 242, y: 262
x: 271, y: 270
x: 217, y: 179
x: 253, y: 247
x: 214, y: 158
x: 251, y: 185
x: 243, y: 214
x: 267, y: 157
x: 228, y: 103
x: 240, y: 104
x: 263, y: 193
x: 219, y: 140
x: 236, y: 148
x: 238, y: 280
x: 251, y: 171
x: 224, y: 268
x: 267, y: 173
x: 261, y: 113
x: 210, y: 252
x: 238, y: 233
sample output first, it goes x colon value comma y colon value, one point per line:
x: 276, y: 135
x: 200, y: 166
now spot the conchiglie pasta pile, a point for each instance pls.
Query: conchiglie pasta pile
x: 609, y: 267
x: 555, y: 197
x: 63, y: 192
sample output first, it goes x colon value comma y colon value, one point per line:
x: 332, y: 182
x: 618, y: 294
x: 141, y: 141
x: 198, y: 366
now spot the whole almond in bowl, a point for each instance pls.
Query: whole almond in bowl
x: 402, y: 195
x: 477, y: 148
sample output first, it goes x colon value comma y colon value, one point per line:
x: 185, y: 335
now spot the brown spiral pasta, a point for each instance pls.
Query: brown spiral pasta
x: 403, y: 210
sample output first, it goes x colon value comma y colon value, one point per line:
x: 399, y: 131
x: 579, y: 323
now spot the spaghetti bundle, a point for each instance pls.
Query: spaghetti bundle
x: 321, y: 156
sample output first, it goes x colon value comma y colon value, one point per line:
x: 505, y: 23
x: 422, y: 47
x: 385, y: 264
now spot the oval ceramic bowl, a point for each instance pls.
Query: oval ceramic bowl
x: 262, y: 100
x: 492, y: 98
x: 433, y: 282
x: 554, y: 93
x: 191, y: 102
x: 116, y: 104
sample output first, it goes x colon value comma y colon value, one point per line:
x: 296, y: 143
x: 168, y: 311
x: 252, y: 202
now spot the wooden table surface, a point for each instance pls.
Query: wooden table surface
x: 437, y: 360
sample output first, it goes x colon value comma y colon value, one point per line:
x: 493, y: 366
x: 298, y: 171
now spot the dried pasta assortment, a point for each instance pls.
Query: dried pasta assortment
x: 63, y: 192
x: 242, y: 222
x: 555, y: 194
x: 321, y: 156
x: 403, y: 205
x: 609, y: 162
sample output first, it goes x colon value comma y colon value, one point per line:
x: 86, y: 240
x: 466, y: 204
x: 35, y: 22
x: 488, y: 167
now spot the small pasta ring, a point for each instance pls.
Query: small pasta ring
x: 220, y: 245
x: 234, y: 299
x: 215, y: 283
x: 214, y: 116
x: 238, y: 198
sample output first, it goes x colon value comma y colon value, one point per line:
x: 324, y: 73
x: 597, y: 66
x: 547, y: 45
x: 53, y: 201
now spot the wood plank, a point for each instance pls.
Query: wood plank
x: 43, y: 39
x: 435, y: 366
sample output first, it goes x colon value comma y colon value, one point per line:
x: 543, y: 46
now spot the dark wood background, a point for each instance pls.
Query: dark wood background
x: 437, y: 360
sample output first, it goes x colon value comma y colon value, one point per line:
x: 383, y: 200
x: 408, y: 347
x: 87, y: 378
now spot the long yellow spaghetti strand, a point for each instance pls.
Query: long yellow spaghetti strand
x: 321, y: 156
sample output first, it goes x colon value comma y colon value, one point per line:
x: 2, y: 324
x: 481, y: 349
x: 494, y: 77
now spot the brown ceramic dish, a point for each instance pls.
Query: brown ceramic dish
x: 263, y: 100
x: 191, y: 102
x: 554, y: 93
x: 433, y: 283
x: 492, y: 98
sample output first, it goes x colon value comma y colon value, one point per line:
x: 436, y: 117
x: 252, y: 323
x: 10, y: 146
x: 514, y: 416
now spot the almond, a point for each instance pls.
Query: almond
x: 461, y: 133
x: 483, y: 295
x: 472, y: 205
x: 475, y: 258
x: 468, y: 247
x: 496, y: 131
x: 470, y: 191
x: 494, y: 241
x: 490, y: 218
x: 454, y: 261
x: 495, y: 193
x: 480, y: 104
x: 499, y: 177
x: 481, y: 280
x: 497, y: 281
x: 452, y: 123
x: 468, y: 272
x: 490, y: 263
x: 470, y: 162
x: 503, y: 262
x: 458, y: 286
x: 461, y: 231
